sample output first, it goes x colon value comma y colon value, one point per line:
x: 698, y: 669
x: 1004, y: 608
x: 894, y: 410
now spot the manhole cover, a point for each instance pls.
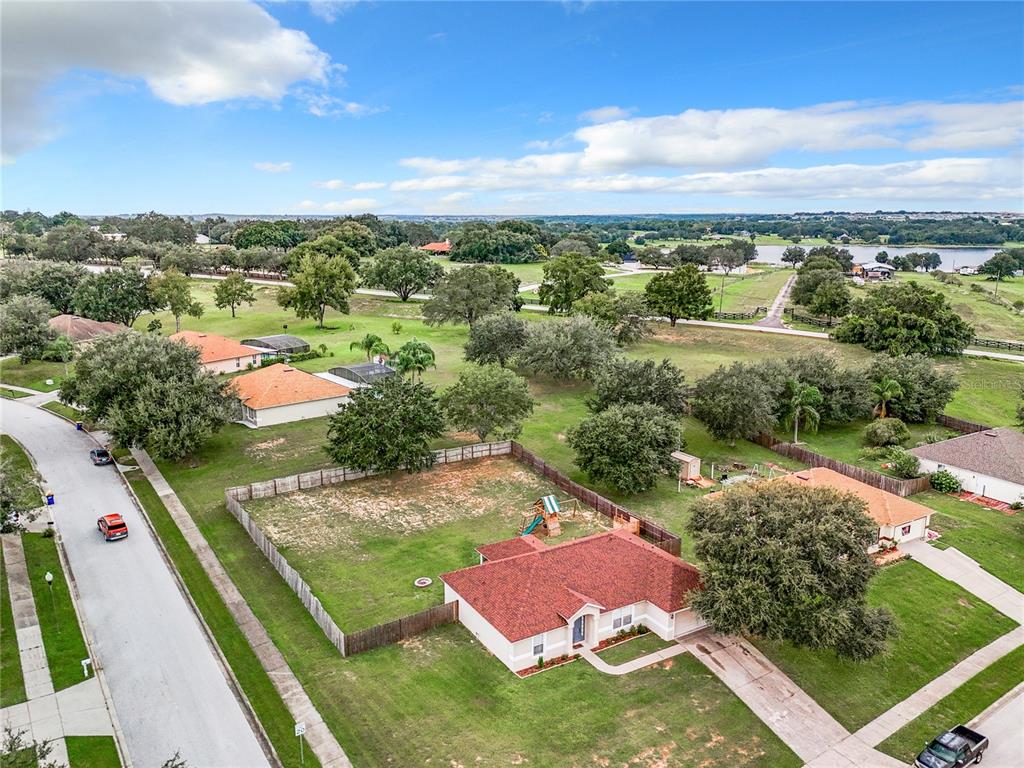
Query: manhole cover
x: 423, y: 581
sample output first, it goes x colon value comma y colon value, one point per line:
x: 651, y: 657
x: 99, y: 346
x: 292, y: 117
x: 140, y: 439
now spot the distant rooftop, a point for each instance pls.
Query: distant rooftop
x: 283, y: 343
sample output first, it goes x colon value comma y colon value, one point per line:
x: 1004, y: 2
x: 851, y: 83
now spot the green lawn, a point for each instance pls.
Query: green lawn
x: 845, y: 441
x: 12, y: 394
x: 12, y: 684
x: 995, y: 539
x: 939, y: 624
x: 360, y: 545
x: 23, y: 475
x: 990, y: 319
x: 961, y: 706
x: 32, y: 374
x: 527, y: 273
x: 62, y: 636
x: 641, y: 645
x: 63, y: 410
x: 92, y: 752
x: 258, y: 688
x: 989, y: 391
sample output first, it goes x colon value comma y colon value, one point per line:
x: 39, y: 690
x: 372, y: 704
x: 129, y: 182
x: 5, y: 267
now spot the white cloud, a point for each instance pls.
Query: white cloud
x: 186, y: 53
x: 330, y: 184
x: 455, y: 197
x: 273, y: 167
x: 605, y: 114
x: 730, y: 153
x: 324, y: 105
x: 361, y: 186
x: 364, y: 186
x: 330, y: 10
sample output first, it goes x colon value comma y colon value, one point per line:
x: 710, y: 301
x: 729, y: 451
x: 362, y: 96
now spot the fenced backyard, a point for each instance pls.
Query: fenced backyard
x: 360, y: 561
x: 894, y: 485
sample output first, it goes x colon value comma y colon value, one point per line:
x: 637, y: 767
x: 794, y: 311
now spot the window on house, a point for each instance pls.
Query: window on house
x: 538, y: 645
x: 622, y: 617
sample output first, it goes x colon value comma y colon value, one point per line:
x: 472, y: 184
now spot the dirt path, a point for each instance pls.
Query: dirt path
x: 774, y: 317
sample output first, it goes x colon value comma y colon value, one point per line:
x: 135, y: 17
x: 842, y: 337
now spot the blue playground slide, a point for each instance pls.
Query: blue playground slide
x: 536, y: 521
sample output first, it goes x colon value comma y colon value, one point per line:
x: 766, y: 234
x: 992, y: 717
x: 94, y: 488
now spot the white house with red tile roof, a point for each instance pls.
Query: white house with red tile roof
x: 220, y: 354
x: 279, y: 394
x: 527, y: 600
x: 442, y: 247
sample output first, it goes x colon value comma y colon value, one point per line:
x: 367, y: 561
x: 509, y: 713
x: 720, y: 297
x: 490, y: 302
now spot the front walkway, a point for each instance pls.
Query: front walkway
x: 955, y: 566
x: 318, y: 736
x: 631, y: 666
x: 802, y: 724
x: 80, y: 710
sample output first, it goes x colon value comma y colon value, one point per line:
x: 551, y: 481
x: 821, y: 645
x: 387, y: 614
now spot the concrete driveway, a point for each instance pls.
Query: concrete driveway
x: 170, y: 692
x: 1004, y: 726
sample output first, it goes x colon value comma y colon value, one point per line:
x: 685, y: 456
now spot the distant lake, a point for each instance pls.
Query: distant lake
x: 951, y: 257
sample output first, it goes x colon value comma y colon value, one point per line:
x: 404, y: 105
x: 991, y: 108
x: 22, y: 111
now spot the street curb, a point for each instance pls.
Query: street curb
x: 97, y: 666
x: 235, y: 685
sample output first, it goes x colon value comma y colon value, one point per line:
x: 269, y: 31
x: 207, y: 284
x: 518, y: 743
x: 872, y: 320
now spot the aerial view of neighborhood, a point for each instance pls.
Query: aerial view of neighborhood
x: 579, y: 384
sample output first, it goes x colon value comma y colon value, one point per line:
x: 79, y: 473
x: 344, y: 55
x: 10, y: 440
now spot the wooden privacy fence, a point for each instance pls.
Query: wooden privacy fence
x: 401, y: 629
x: 657, y: 535
x: 895, y: 485
x: 962, y: 426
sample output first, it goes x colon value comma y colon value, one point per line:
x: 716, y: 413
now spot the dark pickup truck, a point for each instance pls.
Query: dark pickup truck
x: 953, y: 749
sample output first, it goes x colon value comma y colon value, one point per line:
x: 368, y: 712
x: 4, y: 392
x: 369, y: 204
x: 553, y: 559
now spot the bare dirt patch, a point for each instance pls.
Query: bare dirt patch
x: 401, y: 503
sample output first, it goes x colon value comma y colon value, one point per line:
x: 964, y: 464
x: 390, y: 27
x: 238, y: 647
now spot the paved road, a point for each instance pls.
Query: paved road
x: 774, y: 318
x: 1004, y: 727
x: 169, y: 690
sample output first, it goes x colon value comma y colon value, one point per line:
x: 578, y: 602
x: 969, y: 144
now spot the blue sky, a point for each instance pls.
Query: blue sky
x: 510, y: 108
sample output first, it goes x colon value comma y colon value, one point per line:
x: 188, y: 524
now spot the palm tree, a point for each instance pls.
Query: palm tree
x: 801, y: 407
x: 885, y: 391
x: 371, y: 344
x: 414, y: 357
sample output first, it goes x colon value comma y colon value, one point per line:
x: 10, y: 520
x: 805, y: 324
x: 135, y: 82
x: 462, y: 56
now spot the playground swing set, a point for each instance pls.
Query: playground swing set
x: 543, y: 518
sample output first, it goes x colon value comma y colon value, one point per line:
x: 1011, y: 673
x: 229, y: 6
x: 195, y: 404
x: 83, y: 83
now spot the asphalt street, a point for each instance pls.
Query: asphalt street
x: 169, y: 690
x: 1005, y: 730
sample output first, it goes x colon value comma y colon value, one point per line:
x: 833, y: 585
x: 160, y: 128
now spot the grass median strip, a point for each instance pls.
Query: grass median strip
x: 65, y: 647
x: 269, y: 708
x: 961, y: 706
x: 92, y: 752
x: 12, y: 684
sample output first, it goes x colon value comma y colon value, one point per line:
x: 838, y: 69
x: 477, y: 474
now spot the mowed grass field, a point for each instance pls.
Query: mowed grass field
x: 991, y: 320
x: 32, y: 375
x: 360, y: 545
x: 742, y: 293
x: 939, y: 625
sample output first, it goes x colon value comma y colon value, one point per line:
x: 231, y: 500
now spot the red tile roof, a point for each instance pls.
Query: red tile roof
x: 883, y: 507
x: 214, y: 348
x: 443, y: 247
x: 280, y: 384
x: 527, y: 594
x: 520, y: 545
x: 82, y: 328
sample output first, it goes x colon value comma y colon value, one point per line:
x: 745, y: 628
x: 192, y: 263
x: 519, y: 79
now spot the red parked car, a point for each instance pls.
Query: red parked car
x: 112, y: 527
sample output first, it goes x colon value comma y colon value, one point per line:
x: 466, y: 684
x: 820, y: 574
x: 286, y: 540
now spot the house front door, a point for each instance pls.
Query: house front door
x: 577, y: 630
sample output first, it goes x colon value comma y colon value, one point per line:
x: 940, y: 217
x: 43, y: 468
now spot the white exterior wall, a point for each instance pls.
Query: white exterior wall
x: 234, y: 364
x: 482, y: 630
x: 283, y: 414
x: 974, y: 482
x: 895, y: 532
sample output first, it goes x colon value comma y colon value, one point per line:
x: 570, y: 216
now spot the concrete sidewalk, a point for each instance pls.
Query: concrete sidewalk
x: 630, y: 666
x: 802, y: 724
x: 955, y: 566
x: 886, y: 724
x: 318, y: 736
x: 80, y: 710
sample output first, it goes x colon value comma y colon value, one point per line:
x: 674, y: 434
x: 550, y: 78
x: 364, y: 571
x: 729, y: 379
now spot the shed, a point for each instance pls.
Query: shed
x: 689, y: 466
x: 363, y: 373
x: 281, y: 344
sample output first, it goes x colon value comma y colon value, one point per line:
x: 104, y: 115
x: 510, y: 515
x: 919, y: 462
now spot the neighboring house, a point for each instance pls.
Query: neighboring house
x: 527, y: 600
x: 988, y: 463
x: 442, y: 247
x: 279, y: 394
x: 220, y: 354
x: 202, y: 239
x: 873, y: 270
x: 114, y: 237
x: 898, y: 519
x: 281, y: 344
x: 967, y: 271
x: 82, y: 330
